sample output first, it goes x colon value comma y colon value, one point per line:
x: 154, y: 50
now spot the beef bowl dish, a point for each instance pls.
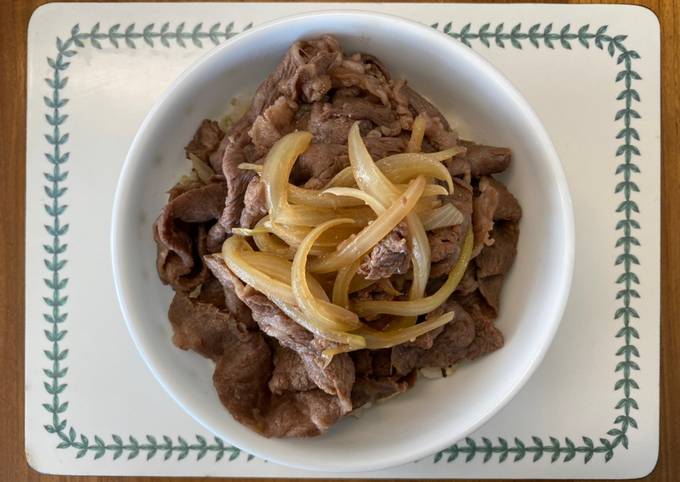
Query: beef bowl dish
x: 331, y: 242
x: 341, y: 244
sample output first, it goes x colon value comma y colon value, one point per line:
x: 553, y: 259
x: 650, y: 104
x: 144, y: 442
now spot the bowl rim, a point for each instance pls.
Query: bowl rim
x: 390, y: 459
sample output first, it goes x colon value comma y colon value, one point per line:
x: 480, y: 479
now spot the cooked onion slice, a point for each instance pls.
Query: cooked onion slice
x: 312, y: 197
x: 247, y: 232
x: 388, y: 287
x: 371, y: 179
x: 404, y: 169
x: 327, y: 242
x: 342, y: 283
x: 422, y: 305
x: 292, y: 235
x: 249, y: 166
x: 203, y: 170
x: 367, y: 174
x: 359, y: 283
x: 280, y: 268
x: 310, y: 305
x: 369, y: 200
x: 417, y: 133
x: 431, y: 156
x: 353, y: 341
x: 307, y: 197
x: 431, y: 190
x: 277, y: 167
x: 232, y: 254
x: 269, y: 243
x: 376, y: 340
x: 398, y: 166
x: 442, y: 217
x: 427, y: 204
x: 355, y: 247
x: 420, y: 256
x: 313, y: 216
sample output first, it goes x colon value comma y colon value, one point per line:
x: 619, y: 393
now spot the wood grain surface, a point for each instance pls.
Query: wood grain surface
x: 14, y: 16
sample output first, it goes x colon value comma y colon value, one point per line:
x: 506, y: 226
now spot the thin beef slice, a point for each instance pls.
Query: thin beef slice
x: 336, y: 378
x: 180, y: 232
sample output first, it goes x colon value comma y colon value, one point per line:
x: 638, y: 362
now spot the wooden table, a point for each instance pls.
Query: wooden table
x: 14, y: 16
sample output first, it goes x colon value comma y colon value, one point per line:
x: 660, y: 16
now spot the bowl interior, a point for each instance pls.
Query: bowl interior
x: 484, y: 108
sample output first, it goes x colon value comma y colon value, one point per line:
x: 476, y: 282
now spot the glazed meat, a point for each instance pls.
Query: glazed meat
x: 275, y: 371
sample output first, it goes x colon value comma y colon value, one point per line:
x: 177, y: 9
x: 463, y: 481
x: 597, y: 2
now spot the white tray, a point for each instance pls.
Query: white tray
x: 591, y: 73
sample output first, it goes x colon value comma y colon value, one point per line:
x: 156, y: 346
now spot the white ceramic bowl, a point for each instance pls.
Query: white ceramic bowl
x: 485, y: 107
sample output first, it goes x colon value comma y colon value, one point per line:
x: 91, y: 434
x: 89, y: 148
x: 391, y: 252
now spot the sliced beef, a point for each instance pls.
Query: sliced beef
x: 373, y: 65
x: 381, y: 365
x: 237, y: 181
x: 313, y: 61
x: 374, y: 292
x: 389, y: 257
x: 439, y: 135
x: 302, y: 76
x: 290, y: 374
x: 437, y: 129
x: 326, y: 128
x: 241, y: 381
x: 274, y: 123
x: 241, y: 377
x: 197, y: 205
x: 405, y: 357
x: 490, y: 288
x: 499, y: 256
x: 485, y: 160
x: 216, y: 236
x: 206, y: 140
x: 370, y: 390
x: 423, y: 106
x: 452, y: 345
x: 201, y: 327
x: 362, y: 108
x: 495, y: 203
x: 465, y: 338
x: 336, y: 378
x: 462, y: 197
x: 444, y: 243
x: 443, y: 267
x: 380, y: 147
x: 400, y: 102
x: 212, y: 292
x: 447, y: 243
x: 319, y: 163
x: 355, y: 73
x: 232, y: 302
x: 302, y: 414
x: 458, y: 166
x: 468, y: 283
x: 178, y: 255
x: 363, y: 363
x: 508, y: 208
x: 254, y: 203
x: 476, y: 306
x: 445, y: 247
x: 180, y: 232
x: 485, y: 206
x: 488, y: 338
x: 182, y: 187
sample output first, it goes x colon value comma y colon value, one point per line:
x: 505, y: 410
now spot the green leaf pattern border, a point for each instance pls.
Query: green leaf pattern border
x: 199, y: 36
